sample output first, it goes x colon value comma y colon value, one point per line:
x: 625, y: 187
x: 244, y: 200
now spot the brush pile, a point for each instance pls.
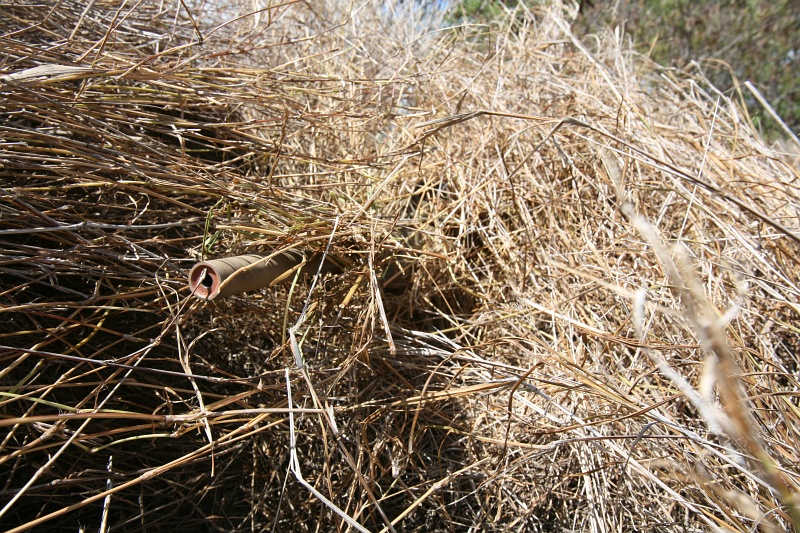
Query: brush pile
x: 568, y: 296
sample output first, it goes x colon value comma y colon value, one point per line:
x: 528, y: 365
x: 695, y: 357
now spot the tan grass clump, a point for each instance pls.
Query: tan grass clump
x: 569, y: 298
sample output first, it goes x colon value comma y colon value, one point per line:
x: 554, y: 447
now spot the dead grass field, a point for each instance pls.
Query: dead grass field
x: 570, y: 300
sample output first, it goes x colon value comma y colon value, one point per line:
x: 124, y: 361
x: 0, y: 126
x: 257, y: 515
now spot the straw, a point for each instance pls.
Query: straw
x: 564, y: 296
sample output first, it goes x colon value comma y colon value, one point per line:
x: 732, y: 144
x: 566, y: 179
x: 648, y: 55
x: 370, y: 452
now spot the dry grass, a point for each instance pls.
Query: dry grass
x: 571, y: 299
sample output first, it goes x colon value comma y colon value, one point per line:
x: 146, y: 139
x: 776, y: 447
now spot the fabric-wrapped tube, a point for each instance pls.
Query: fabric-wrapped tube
x: 243, y: 273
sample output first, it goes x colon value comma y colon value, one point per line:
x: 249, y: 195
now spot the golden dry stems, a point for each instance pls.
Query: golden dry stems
x: 597, y: 331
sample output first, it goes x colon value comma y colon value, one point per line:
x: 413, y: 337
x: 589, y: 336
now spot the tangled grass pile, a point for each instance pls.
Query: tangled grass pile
x: 568, y: 301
